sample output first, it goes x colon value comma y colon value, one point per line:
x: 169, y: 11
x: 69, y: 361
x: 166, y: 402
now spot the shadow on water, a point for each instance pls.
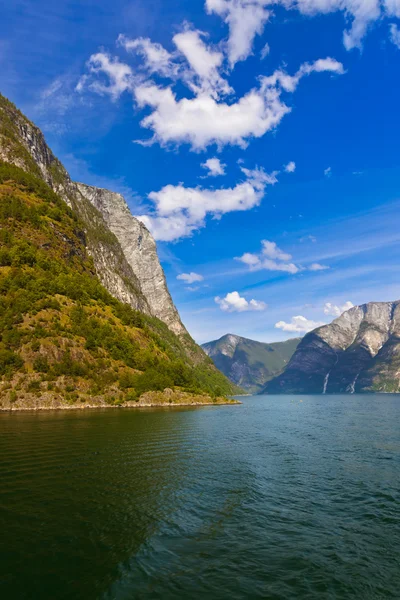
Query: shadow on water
x: 282, y: 497
x: 81, y: 492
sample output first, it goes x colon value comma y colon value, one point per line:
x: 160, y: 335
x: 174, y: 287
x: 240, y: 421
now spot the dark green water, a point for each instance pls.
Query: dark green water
x: 280, y: 498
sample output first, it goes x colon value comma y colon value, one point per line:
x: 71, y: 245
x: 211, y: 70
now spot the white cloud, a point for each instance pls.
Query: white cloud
x: 392, y: 8
x: 214, y: 167
x: 245, y: 18
x: 317, y: 267
x: 308, y: 238
x: 298, y: 324
x: 328, y: 172
x: 204, y: 62
x: 120, y: 76
x: 271, y: 258
x: 265, y: 51
x: 156, y: 58
x: 202, y: 120
x: 271, y: 250
x: 290, y: 167
x: 259, y: 178
x: 190, y: 277
x: 179, y: 211
x: 334, y: 310
x: 361, y: 13
x: 395, y: 35
x: 233, y: 302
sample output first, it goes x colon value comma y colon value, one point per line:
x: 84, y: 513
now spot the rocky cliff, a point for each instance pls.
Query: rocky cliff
x: 123, y: 250
x: 247, y: 363
x: 140, y: 251
x: 358, y: 352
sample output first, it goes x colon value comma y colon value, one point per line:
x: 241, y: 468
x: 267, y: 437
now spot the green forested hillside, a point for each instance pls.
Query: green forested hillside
x: 248, y: 363
x: 62, y: 335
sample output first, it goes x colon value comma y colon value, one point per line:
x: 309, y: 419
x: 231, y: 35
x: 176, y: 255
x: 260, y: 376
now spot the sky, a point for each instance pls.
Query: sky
x: 257, y: 139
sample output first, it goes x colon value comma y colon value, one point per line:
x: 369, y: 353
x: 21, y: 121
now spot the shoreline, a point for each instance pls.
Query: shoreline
x: 107, y: 406
x: 57, y: 406
x: 168, y: 398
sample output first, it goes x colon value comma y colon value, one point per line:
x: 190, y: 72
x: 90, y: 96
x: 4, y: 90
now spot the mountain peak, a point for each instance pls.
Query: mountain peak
x: 356, y: 352
x: 248, y: 363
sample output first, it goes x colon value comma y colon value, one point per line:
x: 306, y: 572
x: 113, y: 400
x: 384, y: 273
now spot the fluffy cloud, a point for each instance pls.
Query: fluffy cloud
x: 156, y: 58
x: 214, y: 167
x: 298, y: 324
x: 392, y: 8
x: 245, y: 18
x: 290, y: 167
x: 179, y: 211
x: 202, y: 120
x: 335, y: 310
x: 190, y: 277
x: 328, y: 172
x: 204, y: 62
x: 120, y: 76
x: 233, y: 302
x: 272, y: 258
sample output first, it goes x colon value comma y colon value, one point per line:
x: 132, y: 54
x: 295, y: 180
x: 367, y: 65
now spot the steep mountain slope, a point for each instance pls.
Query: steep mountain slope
x: 64, y: 337
x: 140, y: 251
x: 358, y: 352
x: 247, y: 363
x: 123, y: 250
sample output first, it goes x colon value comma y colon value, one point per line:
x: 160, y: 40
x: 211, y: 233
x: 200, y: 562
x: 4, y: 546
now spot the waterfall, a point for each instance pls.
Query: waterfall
x: 329, y: 372
x: 352, y: 386
x: 326, y: 382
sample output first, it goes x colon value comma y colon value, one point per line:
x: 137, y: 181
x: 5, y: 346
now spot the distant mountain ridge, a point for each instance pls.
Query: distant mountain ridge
x: 248, y: 363
x: 358, y: 352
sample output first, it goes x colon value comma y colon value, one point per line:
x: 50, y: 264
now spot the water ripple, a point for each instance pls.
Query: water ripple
x: 276, y: 499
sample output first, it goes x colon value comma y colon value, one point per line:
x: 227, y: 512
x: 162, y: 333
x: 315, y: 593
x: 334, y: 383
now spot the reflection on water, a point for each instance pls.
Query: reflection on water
x: 282, y: 497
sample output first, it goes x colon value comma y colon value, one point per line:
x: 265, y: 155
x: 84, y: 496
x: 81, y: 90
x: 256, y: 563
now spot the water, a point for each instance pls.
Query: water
x: 280, y: 498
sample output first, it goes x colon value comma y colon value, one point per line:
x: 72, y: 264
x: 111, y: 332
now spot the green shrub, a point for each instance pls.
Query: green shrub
x: 41, y: 365
x: 9, y: 361
x: 33, y: 386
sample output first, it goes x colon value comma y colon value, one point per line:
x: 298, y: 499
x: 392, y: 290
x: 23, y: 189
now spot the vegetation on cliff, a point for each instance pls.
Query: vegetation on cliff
x: 61, y: 332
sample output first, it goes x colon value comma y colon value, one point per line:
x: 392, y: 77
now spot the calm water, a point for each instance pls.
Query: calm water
x: 282, y: 497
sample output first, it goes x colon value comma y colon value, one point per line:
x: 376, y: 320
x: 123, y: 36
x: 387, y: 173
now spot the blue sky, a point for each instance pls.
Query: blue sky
x: 258, y: 140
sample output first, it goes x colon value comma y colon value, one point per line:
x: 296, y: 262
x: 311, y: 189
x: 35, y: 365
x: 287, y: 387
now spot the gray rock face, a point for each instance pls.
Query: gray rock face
x: 247, y: 363
x: 140, y: 251
x: 357, y: 352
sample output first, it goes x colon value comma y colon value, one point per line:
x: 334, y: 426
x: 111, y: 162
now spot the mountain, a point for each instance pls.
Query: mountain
x: 358, y: 352
x: 123, y: 250
x: 85, y: 312
x: 247, y: 363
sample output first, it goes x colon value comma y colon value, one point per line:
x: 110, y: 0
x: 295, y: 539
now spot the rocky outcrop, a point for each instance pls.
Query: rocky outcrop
x: 124, y: 252
x: 358, y: 352
x: 247, y: 363
x: 140, y: 251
